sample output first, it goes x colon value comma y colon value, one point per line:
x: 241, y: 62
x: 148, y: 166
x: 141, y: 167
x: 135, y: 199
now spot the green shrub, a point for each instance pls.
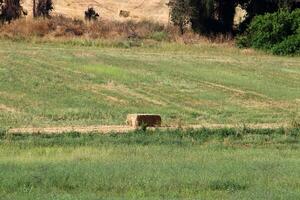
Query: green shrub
x: 277, y: 32
x: 243, y: 41
x: 181, y: 13
x: 291, y: 45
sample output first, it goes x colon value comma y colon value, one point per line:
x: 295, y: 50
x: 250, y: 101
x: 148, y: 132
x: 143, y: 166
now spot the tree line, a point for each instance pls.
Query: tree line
x: 12, y: 9
x: 217, y: 16
x: 204, y: 16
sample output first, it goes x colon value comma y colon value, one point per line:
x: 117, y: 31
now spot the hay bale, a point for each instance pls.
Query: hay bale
x: 124, y: 13
x: 148, y: 120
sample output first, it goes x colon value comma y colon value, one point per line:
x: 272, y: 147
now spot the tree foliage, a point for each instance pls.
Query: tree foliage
x: 278, y: 32
x: 10, y: 10
x: 261, y: 7
x: 91, y: 14
x: 213, y: 16
x: 44, y: 7
x: 181, y: 13
x: 217, y: 16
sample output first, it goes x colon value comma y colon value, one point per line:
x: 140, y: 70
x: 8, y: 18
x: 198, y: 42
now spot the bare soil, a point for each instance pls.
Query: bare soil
x: 155, y: 10
x: 126, y: 129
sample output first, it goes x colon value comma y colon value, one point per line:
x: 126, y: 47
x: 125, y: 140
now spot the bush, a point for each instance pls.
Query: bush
x: 181, y: 13
x: 44, y: 7
x: 243, y: 41
x: 291, y: 45
x: 278, y: 32
x: 90, y: 14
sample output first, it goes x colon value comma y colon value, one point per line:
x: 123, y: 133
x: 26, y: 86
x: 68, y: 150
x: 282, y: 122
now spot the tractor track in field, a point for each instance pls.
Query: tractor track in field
x: 106, y: 129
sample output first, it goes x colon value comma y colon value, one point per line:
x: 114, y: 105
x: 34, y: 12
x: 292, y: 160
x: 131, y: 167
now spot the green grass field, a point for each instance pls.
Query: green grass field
x: 79, y: 83
x: 54, y: 84
x: 203, y: 164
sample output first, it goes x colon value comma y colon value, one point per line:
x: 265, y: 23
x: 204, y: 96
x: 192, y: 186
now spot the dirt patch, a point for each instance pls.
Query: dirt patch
x: 156, y: 10
x: 6, y: 108
x: 125, y: 129
x: 80, y: 129
x: 252, y: 126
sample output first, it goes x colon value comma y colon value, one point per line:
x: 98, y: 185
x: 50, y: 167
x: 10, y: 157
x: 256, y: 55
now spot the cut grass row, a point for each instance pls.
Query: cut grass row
x: 54, y: 84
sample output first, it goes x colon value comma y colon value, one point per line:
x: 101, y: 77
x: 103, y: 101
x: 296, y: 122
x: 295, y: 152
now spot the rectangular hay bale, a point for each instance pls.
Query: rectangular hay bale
x: 148, y: 120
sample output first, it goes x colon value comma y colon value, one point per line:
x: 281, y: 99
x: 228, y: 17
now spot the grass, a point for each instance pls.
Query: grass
x: 85, y: 83
x: 196, y: 164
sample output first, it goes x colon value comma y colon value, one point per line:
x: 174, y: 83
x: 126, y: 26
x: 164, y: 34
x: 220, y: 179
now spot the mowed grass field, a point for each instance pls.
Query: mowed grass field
x: 202, y: 164
x: 55, y: 84
x: 79, y: 83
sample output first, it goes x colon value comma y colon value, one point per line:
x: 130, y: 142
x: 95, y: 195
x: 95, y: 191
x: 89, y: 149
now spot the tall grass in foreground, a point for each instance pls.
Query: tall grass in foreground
x: 179, y: 137
x: 195, y: 164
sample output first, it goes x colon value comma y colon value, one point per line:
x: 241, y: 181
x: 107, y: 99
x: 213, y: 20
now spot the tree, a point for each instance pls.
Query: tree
x: 213, y: 16
x: 91, y: 14
x: 261, y: 7
x: 34, y: 8
x: 181, y: 13
x: 44, y: 7
x: 226, y: 13
x: 217, y: 16
x: 10, y: 10
x: 274, y: 32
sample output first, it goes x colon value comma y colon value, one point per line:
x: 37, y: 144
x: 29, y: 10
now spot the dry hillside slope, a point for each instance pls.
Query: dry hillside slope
x: 109, y: 9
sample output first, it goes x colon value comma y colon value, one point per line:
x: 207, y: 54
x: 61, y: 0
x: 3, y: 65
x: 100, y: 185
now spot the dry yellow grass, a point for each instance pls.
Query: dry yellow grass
x: 155, y: 10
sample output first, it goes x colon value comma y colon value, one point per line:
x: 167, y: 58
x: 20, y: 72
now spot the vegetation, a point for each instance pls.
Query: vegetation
x: 63, y: 72
x: 209, y: 164
x: 91, y: 14
x: 217, y: 16
x: 261, y: 7
x: 88, y: 82
x: 10, y: 10
x: 278, y: 32
x: 181, y: 12
x: 289, y: 46
x: 63, y: 27
x: 213, y: 16
x: 44, y: 7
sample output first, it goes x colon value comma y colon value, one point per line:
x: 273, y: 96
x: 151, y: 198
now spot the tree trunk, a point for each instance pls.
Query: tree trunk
x: 226, y: 12
x: 34, y: 9
x: 181, y: 28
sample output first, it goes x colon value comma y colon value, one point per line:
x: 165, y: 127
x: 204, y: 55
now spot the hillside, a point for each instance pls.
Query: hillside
x: 60, y: 85
x: 109, y: 9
